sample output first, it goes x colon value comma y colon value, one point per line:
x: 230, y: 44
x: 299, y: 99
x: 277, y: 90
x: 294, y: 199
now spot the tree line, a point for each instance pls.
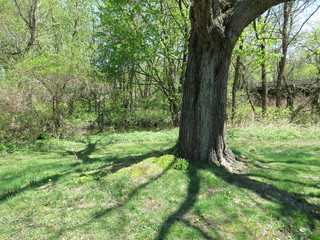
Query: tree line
x: 78, y: 65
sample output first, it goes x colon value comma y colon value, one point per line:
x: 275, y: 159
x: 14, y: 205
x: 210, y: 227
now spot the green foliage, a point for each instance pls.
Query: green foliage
x: 143, y: 49
x: 142, y: 119
x: 256, y: 34
x: 276, y: 115
x: 181, y: 164
x: 18, y: 121
x: 244, y: 115
x: 7, y: 148
x: 275, y: 133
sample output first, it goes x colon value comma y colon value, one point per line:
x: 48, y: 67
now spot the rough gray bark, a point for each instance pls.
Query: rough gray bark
x: 216, y: 26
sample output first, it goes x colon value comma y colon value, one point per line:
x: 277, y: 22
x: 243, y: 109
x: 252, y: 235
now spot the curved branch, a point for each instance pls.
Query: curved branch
x: 245, y: 12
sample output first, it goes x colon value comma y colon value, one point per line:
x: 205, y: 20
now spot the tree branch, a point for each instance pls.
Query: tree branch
x: 20, y: 13
x: 245, y: 12
x: 302, y: 25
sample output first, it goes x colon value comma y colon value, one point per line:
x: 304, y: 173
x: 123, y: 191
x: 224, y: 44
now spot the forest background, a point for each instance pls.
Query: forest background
x: 72, y: 66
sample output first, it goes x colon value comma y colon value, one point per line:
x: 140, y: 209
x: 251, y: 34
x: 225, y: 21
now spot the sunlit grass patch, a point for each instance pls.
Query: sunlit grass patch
x: 127, y: 186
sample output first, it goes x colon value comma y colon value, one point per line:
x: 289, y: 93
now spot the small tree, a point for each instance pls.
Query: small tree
x: 53, y: 74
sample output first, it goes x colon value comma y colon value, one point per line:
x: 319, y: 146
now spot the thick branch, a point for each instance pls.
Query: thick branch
x: 313, y: 95
x: 245, y: 12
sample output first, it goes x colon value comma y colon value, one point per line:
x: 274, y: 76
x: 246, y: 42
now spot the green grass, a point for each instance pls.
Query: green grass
x: 126, y: 186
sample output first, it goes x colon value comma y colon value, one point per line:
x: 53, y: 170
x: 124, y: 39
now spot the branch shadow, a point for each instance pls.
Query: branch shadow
x: 104, y: 212
x: 111, y: 164
x: 316, y: 164
x: 291, y: 156
x: 83, y: 155
x: 186, y: 206
x: 31, y: 185
x: 282, y: 180
x: 290, y: 203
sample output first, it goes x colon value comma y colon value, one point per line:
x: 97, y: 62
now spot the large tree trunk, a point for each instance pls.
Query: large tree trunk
x: 216, y: 26
x: 202, y: 131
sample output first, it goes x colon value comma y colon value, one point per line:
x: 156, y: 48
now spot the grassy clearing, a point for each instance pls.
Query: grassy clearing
x: 125, y: 186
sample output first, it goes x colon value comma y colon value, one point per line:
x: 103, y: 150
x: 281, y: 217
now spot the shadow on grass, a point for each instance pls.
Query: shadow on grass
x: 186, y: 206
x: 282, y: 180
x: 83, y: 156
x: 112, y: 165
x: 293, y: 156
x: 290, y: 203
x: 104, y: 212
x: 31, y: 185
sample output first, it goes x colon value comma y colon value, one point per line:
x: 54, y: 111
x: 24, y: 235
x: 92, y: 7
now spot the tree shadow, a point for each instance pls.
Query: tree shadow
x: 84, y: 155
x: 106, y: 211
x: 282, y: 180
x: 298, y: 156
x: 291, y: 162
x: 186, y: 206
x: 178, y: 215
x: 31, y: 185
x: 112, y: 165
x: 316, y: 164
x: 290, y: 203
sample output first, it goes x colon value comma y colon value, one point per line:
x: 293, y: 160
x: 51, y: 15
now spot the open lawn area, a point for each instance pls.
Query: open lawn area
x: 129, y: 186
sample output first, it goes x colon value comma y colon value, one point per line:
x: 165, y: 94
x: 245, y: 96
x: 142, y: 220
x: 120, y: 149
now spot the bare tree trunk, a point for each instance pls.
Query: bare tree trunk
x: 264, y: 81
x: 175, y: 112
x: 315, y: 104
x: 56, y: 115
x: 287, y: 9
x: 290, y: 94
x: 235, y: 85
